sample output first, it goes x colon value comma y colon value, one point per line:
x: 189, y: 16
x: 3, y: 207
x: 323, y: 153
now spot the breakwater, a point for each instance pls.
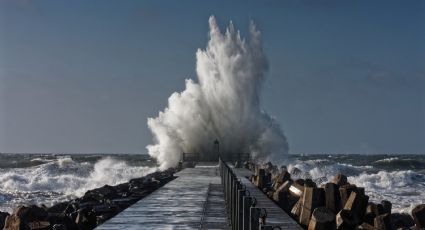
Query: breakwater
x: 86, y: 212
x: 194, y: 200
x: 334, y: 204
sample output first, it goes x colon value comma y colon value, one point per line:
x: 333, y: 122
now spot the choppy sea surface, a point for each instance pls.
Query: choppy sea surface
x: 397, y: 178
x: 51, y: 178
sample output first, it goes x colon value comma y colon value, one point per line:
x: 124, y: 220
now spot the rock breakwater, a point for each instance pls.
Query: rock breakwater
x: 335, y: 204
x: 86, y: 212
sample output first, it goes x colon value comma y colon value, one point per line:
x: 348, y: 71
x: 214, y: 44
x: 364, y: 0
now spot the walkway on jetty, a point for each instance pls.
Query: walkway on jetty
x: 194, y: 200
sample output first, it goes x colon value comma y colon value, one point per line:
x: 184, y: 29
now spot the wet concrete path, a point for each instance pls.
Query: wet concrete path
x: 194, y: 200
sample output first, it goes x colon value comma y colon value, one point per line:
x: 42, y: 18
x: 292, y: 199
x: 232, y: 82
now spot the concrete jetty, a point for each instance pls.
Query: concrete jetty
x: 194, y: 200
x: 275, y: 215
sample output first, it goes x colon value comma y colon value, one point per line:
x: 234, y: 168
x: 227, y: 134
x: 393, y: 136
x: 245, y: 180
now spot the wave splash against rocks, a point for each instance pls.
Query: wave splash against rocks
x: 49, y: 179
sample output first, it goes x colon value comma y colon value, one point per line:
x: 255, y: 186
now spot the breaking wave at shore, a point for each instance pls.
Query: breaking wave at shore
x: 402, y: 184
x: 54, y: 180
x: 48, y: 179
x: 223, y: 104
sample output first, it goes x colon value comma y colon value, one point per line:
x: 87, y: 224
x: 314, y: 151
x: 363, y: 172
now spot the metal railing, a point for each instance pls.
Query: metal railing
x: 240, y: 205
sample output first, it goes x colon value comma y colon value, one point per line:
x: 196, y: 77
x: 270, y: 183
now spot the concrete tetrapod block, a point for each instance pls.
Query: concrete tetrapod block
x: 322, y: 219
x: 387, y: 206
x: 281, y: 195
x: 296, y: 210
x: 372, y: 208
x: 260, y: 178
x: 345, y: 191
x: 346, y: 220
x: 371, y: 213
x: 383, y: 222
x: 340, y: 179
x: 402, y: 220
x: 332, y: 197
x: 418, y: 214
x: 296, y: 189
x: 357, y: 204
x: 309, y: 183
x: 366, y: 226
x: 312, y: 198
x: 281, y: 178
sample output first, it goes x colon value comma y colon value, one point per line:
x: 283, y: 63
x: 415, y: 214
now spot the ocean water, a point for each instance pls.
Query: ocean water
x: 51, y: 178
x: 397, y: 178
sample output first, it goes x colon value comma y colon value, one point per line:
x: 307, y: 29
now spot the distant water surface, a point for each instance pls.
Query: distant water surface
x: 397, y: 178
x: 51, y: 178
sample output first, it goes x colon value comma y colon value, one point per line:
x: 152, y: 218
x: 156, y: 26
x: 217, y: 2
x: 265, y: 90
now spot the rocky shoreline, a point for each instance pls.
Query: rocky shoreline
x: 86, y: 212
x: 336, y: 204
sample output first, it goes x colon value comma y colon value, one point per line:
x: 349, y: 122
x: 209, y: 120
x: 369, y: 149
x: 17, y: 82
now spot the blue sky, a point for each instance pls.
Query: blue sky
x: 83, y: 76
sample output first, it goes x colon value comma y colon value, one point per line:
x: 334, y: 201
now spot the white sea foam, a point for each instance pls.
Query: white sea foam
x: 224, y: 104
x: 65, y: 178
x: 386, y: 160
x: 404, y: 189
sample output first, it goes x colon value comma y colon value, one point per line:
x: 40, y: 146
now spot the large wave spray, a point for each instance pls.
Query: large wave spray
x: 224, y: 104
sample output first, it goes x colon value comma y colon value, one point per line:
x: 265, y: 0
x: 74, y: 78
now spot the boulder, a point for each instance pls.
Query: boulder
x: 322, y: 219
x: 380, y: 208
x: 86, y: 219
x: 122, y: 189
x: 23, y: 216
x: 62, y: 219
x: 366, y: 226
x: 340, y: 180
x: 402, y: 220
x: 13, y: 222
x: 3, y: 216
x: 418, y: 214
x: 104, y: 217
x: 386, y: 206
x: 72, y: 207
x: 59, y: 227
x: 100, y: 194
x: 58, y: 208
x: 164, y: 176
x: 39, y: 225
x: 383, y: 222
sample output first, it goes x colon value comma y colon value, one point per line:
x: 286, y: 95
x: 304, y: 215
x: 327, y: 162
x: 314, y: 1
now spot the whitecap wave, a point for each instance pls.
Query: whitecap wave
x: 386, y: 160
x: 64, y: 178
x: 403, y: 188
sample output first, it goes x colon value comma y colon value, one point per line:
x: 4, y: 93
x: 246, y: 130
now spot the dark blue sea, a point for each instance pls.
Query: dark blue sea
x: 51, y: 178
